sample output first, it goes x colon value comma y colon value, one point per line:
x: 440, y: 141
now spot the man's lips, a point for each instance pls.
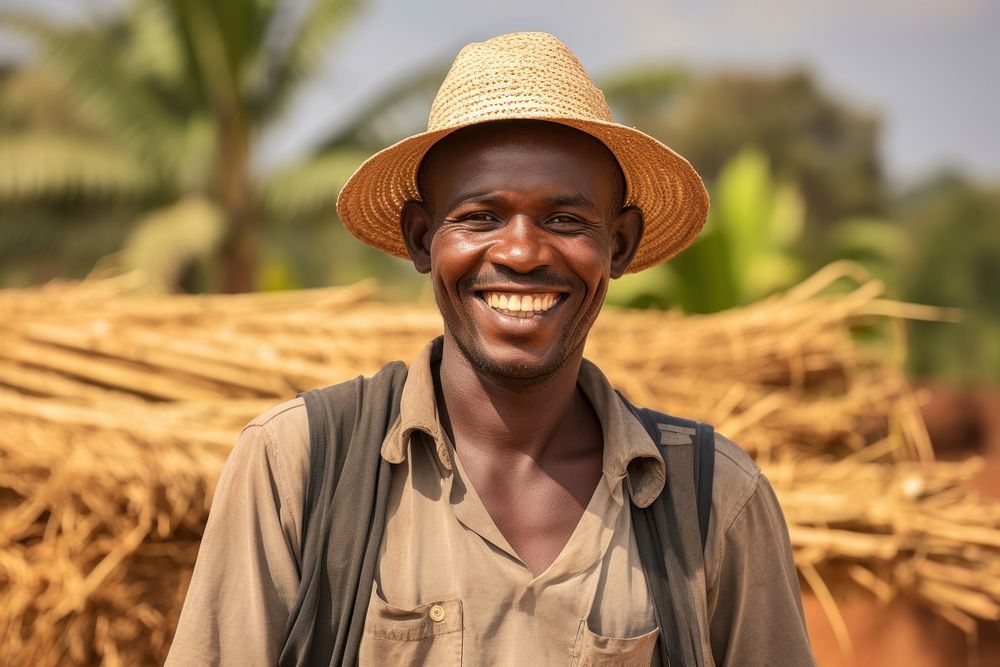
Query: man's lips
x: 522, y: 304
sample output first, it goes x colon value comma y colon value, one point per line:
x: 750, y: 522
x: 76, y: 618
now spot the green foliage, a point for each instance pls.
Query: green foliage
x: 880, y: 245
x: 646, y: 96
x: 827, y: 148
x: 307, y: 187
x: 954, y: 261
x: 163, y: 104
x: 165, y: 242
x: 745, y: 252
x: 39, y: 164
x: 34, y: 246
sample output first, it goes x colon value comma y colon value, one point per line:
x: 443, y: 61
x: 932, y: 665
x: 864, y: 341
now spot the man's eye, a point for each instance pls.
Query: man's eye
x: 480, y: 216
x: 564, y: 220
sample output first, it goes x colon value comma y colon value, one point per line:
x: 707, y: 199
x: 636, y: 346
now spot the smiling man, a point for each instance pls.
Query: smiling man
x: 498, y: 502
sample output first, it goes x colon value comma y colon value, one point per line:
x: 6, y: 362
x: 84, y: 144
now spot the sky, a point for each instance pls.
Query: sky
x: 929, y: 68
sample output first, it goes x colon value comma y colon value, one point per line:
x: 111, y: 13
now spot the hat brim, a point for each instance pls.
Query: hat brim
x: 659, y: 182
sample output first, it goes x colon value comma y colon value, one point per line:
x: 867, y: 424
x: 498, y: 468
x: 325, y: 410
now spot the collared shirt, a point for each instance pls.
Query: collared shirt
x: 478, y: 603
x: 450, y: 588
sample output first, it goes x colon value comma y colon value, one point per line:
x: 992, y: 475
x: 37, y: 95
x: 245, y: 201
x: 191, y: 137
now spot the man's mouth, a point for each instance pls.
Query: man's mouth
x: 520, y: 305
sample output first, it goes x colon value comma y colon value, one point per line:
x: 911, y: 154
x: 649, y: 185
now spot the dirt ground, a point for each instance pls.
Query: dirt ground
x: 902, y: 634
x: 961, y: 423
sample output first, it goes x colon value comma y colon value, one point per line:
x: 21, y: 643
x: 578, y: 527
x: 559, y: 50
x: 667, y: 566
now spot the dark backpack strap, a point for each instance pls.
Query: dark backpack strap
x: 665, y: 533
x: 704, y: 471
x: 656, y: 423
x: 343, y: 516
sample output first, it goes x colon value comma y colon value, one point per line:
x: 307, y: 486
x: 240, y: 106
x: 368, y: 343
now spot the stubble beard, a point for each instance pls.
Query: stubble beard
x: 507, y: 372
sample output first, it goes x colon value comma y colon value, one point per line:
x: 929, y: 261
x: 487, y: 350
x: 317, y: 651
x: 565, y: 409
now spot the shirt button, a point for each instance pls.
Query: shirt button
x: 437, y: 613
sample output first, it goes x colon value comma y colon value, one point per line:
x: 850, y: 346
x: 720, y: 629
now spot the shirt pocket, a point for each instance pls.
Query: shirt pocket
x: 428, y: 634
x: 593, y: 649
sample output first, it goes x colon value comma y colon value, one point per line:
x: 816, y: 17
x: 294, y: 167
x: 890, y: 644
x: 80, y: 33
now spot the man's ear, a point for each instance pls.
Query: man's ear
x: 628, y: 226
x: 416, y: 223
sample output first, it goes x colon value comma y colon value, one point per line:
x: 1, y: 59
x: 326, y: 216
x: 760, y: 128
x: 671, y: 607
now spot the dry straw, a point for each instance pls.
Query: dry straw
x: 118, y: 413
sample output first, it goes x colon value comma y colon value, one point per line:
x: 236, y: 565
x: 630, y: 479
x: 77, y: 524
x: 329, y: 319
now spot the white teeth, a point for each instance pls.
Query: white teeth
x: 521, y: 305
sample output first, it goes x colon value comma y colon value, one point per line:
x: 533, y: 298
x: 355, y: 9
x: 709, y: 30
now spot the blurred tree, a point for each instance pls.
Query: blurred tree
x: 744, y: 253
x: 160, y: 107
x: 36, y: 241
x: 829, y: 148
x: 880, y: 245
x: 328, y: 250
x: 954, y: 261
x: 646, y: 96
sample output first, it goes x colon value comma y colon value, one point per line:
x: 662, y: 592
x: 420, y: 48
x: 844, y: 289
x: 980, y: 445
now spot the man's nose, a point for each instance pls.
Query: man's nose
x: 520, y: 245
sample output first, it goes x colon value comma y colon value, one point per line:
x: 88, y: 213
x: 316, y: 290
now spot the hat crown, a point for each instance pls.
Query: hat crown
x: 518, y: 75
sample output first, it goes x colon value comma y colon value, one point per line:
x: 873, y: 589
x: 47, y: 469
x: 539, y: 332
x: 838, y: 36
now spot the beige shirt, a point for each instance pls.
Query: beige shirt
x: 449, y: 588
x: 442, y: 553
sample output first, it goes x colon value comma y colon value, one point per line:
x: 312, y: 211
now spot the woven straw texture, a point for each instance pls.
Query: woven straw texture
x: 529, y: 76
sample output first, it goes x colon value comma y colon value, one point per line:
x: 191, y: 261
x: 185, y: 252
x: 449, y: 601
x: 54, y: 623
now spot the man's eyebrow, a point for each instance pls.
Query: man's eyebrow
x: 578, y: 200
x: 477, y: 198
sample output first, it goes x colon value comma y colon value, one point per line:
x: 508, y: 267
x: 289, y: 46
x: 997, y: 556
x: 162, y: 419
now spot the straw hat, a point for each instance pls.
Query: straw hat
x: 529, y: 75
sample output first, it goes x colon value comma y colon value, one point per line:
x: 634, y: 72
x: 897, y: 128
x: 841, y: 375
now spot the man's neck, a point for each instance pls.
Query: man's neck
x: 507, y: 418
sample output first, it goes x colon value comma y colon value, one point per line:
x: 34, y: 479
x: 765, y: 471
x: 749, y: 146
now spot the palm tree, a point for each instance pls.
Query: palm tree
x: 161, y: 107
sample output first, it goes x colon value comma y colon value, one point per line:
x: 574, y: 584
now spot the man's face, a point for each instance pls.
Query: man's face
x: 525, y: 229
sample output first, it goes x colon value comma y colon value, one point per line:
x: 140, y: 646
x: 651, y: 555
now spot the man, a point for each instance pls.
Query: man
x: 497, y: 502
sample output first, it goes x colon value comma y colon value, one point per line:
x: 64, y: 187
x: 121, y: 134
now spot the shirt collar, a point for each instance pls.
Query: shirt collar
x: 629, y: 454
x: 418, y: 410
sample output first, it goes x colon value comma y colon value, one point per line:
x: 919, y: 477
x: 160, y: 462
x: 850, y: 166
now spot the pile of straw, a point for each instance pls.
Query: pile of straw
x: 118, y: 413
x: 909, y: 527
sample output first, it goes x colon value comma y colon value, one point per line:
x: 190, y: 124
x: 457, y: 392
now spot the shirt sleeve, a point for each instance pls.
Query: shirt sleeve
x: 755, y: 604
x: 247, y: 574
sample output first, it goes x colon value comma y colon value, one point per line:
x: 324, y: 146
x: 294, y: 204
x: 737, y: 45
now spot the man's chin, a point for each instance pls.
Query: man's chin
x: 512, y: 364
